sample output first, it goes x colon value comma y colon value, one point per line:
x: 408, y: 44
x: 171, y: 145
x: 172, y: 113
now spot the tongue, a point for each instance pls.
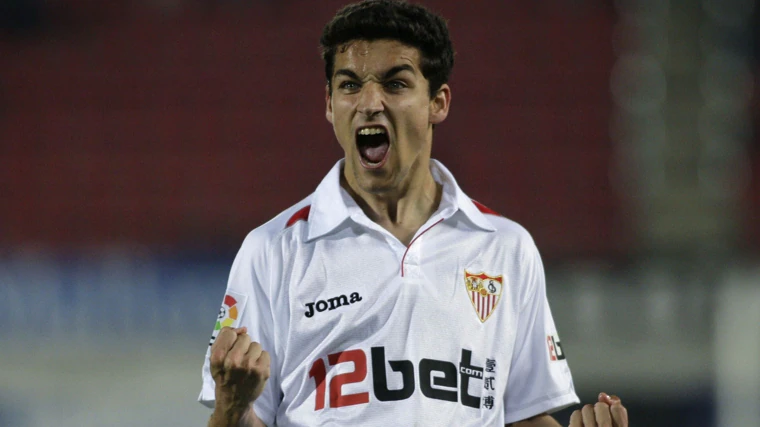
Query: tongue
x: 375, y: 154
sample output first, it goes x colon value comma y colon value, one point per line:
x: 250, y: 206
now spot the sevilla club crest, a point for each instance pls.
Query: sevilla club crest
x: 484, y: 292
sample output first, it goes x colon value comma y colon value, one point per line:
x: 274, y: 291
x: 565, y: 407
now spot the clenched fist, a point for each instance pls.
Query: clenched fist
x: 607, y: 412
x: 240, y: 369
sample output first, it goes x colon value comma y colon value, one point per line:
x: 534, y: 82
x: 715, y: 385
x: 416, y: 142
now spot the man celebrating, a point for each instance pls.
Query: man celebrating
x: 388, y: 297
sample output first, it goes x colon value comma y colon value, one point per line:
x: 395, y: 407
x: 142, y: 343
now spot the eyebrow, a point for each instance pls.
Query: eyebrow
x: 388, y: 74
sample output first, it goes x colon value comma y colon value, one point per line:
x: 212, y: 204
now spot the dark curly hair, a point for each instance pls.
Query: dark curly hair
x: 408, y: 23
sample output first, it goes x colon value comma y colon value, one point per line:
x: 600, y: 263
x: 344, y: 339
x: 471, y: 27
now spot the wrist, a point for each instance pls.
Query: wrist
x: 231, y: 415
x: 229, y: 411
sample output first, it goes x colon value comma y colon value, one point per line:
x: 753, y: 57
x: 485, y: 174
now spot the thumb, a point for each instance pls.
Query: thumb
x: 606, y: 398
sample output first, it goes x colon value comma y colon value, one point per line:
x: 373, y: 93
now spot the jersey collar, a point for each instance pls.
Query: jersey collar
x: 455, y: 200
x: 332, y: 205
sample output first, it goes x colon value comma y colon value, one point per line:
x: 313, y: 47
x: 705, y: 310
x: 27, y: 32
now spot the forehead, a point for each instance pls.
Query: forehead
x: 375, y: 56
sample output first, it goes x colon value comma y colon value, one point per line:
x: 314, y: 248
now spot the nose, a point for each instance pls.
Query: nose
x: 370, y: 101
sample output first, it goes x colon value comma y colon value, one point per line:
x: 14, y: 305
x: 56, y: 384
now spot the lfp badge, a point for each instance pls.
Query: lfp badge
x: 229, y: 312
x: 484, y: 292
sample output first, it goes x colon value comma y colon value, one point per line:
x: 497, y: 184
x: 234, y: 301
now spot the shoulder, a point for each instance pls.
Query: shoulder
x: 507, y: 231
x: 516, y: 247
x: 252, y: 266
x: 270, y: 232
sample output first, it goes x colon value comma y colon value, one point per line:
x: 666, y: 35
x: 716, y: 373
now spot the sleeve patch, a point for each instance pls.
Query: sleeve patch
x: 555, y: 349
x: 229, y: 313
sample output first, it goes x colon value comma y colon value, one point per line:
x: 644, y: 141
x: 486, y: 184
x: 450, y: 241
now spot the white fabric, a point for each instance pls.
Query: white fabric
x: 423, y: 322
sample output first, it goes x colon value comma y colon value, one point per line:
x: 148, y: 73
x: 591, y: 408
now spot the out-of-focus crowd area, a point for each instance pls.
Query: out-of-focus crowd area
x: 141, y: 140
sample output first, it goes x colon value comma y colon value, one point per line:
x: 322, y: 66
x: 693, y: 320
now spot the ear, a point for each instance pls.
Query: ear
x: 439, y: 105
x: 328, y: 107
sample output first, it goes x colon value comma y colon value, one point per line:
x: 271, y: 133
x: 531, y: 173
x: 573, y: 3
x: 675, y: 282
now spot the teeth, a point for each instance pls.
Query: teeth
x: 372, y: 131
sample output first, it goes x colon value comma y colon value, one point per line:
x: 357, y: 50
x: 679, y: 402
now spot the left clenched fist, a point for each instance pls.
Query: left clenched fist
x: 607, y: 412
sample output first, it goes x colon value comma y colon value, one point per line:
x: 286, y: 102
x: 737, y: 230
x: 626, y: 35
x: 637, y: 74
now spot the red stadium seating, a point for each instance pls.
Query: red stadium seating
x: 187, y: 128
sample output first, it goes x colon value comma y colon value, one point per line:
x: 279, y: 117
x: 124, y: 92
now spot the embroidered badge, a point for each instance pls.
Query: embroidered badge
x: 229, y: 312
x: 484, y: 292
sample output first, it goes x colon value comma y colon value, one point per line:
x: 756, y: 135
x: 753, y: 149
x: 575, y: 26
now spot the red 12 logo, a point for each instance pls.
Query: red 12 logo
x: 337, y: 398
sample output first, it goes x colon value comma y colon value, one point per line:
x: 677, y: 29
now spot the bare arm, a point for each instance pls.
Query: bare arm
x: 542, y: 420
x: 246, y: 419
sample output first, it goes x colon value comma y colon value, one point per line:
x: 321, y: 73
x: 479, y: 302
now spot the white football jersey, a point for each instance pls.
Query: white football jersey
x: 454, y: 329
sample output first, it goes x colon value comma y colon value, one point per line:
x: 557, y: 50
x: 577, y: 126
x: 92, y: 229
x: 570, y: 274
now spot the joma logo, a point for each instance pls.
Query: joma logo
x: 331, y: 303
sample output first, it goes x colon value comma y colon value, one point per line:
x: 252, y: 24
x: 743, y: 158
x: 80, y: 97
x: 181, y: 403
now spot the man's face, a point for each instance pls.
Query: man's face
x: 382, y: 113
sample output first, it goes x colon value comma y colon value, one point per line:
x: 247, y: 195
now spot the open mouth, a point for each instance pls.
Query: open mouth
x: 373, y: 144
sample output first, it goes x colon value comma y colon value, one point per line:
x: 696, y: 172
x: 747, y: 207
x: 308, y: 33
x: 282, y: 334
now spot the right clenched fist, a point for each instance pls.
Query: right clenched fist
x: 240, y: 369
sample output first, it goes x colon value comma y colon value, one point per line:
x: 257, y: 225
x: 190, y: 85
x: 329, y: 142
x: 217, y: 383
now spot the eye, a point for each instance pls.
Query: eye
x: 395, y: 85
x: 349, y: 85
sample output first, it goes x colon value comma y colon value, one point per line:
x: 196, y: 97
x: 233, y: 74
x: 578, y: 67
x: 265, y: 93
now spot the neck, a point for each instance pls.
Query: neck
x: 405, y: 209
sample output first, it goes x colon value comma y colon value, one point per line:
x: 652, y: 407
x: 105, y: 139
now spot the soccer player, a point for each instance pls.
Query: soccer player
x: 388, y: 297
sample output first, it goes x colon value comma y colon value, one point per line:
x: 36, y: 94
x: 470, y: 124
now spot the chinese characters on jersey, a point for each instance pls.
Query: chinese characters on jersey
x: 489, y: 385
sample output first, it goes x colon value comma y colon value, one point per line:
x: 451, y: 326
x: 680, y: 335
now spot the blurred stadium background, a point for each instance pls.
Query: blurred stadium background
x: 141, y: 140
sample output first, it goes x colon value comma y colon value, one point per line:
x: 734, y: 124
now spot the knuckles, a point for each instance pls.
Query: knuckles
x: 217, y: 357
x: 575, y: 418
x: 237, y: 358
x: 620, y: 410
x: 225, y: 333
x: 254, y: 349
x: 601, y: 405
x: 234, y: 361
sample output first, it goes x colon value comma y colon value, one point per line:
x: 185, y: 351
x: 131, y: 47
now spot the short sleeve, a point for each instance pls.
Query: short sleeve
x: 539, y: 379
x: 246, y: 303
